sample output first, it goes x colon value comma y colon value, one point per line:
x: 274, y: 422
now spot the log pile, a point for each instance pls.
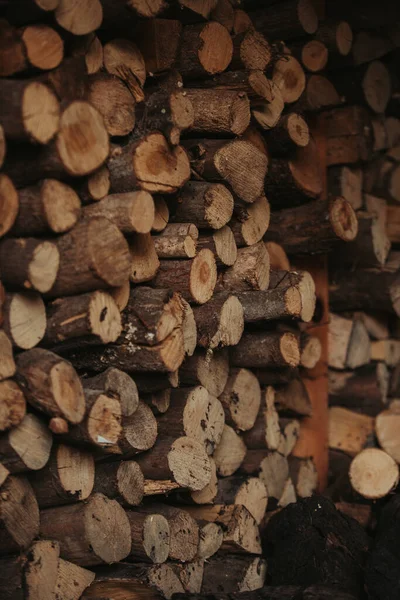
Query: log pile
x: 162, y: 189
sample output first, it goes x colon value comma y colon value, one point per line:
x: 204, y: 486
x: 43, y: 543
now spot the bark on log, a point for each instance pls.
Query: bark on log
x: 122, y: 481
x: 161, y: 215
x: 158, y: 40
x: 118, y: 384
x: 67, y: 477
x: 98, y: 531
x: 250, y: 272
x: 175, y: 246
x: 93, y: 255
x: 337, y: 36
x: 51, y: 384
x: 219, y: 112
x: 204, y: 50
x: 251, y: 222
x: 91, y: 48
x: 26, y: 447
x: 114, y: 102
x: 270, y: 305
x: 205, y: 205
x: 252, y: 82
x: 12, y: 51
x: 349, y: 134
x: 266, y: 350
x: 95, y: 186
x: 29, y: 263
x: 168, y: 111
x: 132, y: 212
x: 144, y: 259
x: 19, y: 515
x: 230, y: 452
x: 219, y: 322
x: 291, y: 132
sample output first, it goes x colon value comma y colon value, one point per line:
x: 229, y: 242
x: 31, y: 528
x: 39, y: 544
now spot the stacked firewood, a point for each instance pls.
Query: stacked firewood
x: 159, y: 162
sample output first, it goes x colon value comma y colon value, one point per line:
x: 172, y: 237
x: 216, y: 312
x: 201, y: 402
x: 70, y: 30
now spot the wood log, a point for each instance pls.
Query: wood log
x: 209, y: 369
x: 376, y: 324
x: 189, y: 329
x: 246, y: 574
x: 289, y: 133
x: 349, y: 134
x: 29, y: 111
x: 210, y: 539
x: 51, y: 384
x: 241, y: 22
x: 288, y: 69
x: 181, y: 229
x: 44, y: 47
x: 197, y: 414
x: 118, y: 384
x: 129, y: 165
x: 232, y: 163
x: 223, y: 13
x: 373, y: 473
x: 349, y: 343
x: 222, y: 244
x: 29, y: 263
x: 219, y: 322
x: 205, y: 205
x: 230, y: 452
x: 241, y: 399
x: 304, y: 476
x: 385, y: 430
x: 101, y: 426
x: 12, y: 50
x: 79, y: 19
x: 387, y: 351
x: 158, y: 40
x: 294, y: 398
x: 26, y: 447
x: 3, y: 146
x: 251, y: 82
x: 383, y: 179
x: 182, y: 460
x: 346, y: 182
x: 130, y: 212
x: 95, y: 186
x: 98, y: 531
x: 269, y: 305
x: 92, y: 49
x: 319, y: 94
x: 159, y: 401
x: 251, y: 50
x: 265, y: 349
x: 32, y: 575
x: 208, y: 494
x: 24, y: 319
x: 294, y: 181
x: 114, y: 102
x: 313, y: 55
x: 267, y: 113
x: 359, y: 512
x: 250, y: 271
x: 274, y: 473
x: 337, y: 36
x: 71, y: 580
x: 241, y: 534
x: 170, y: 112
x: 290, y: 429
x: 266, y: 432
x: 139, y: 431
x: 250, y: 493
x: 161, y: 215
x: 145, y: 263
x: 277, y: 257
x: 122, y: 481
x: 19, y: 515
x: 70, y: 80
x: 359, y: 291
x: 219, y: 112
x: 251, y: 222
x: 365, y: 389
x: 204, y: 50
x: 150, y: 536
x: 92, y: 318
x: 7, y: 364
x: 58, y: 425
x: 67, y: 477
x: 49, y: 206
x: 93, y: 255
x: 191, y: 574
x: 348, y: 430
x: 291, y: 19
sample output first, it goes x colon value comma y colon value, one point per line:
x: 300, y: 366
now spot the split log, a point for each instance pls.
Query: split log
x: 182, y: 460
x: 118, y: 384
x: 290, y: 434
x: 95, y: 186
x: 233, y: 574
x: 26, y: 447
x: 197, y: 414
x: 361, y: 290
x: 348, y: 342
x: 92, y: 318
x: 373, y: 473
x: 236, y: 163
x: 210, y: 539
x: 294, y: 398
x: 158, y: 40
x: 130, y: 212
x: 348, y: 430
x: 268, y: 113
x: 349, y: 135
x: 19, y: 515
x: 71, y: 580
x: 189, y: 329
x: 7, y: 364
x: 241, y: 399
x: 230, y: 452
x: 129, y: 165
x: 145, y: 263
x: 274, y: 473
x: 204, y: 50
x: 93, y: 255
x: 209, y: 369
x: 219, y: 111
x: 288, y: 75
x: 386, y: 424
x: 139, y: 431
x: 51, y: 384
x: 219, y: 322
x: 205, y: 205
x: 222, y: 244
x: 364, y: 390
x: 251, y: 222
x: 24, y: 317
x: 150, y: 535
x: 251, y: 270
x: 122, y: 481
x: 98, y: 531
x: 241, y: 534
x: 161, y: 215
x: 29, y: 263
x: 12, y: 403
x: 124, y: 59
x: 32, y: 575
x: 296, y: 180
x: 346, y: 182
x: 67, y: 477
x: 101, y: 426
x: 265, y: 349
x: 49, y: 206
x: 29, y: 111
x: 114, y: 102
x: 250, y: 493
x: 304, y: 476
x: 266, y: 432
x: 291, y: 19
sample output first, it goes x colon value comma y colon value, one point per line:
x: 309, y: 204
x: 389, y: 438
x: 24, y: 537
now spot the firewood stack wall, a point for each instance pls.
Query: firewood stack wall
x: 162, y: 183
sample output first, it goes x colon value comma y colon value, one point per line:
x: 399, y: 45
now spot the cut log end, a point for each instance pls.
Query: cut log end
x: 203, y: 276
x: 189, y: 464
x: 19, y: 513
x: 344, y: 38
x: 314, y: 56
x: 289, y: 348
x: 310, y: 352
x: 215, y: 53
x: 31, y: 441
x: 104, y: 421
x: 9, y: 204
x: 130, y: 482
x: 40, y: 112
x: 44, y: 46
x: 26, y: 319
x: 79, y: 19
x: 343, y: 219
x: 61, y: 205
x: 107, y: 529
x: 373, y: 473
